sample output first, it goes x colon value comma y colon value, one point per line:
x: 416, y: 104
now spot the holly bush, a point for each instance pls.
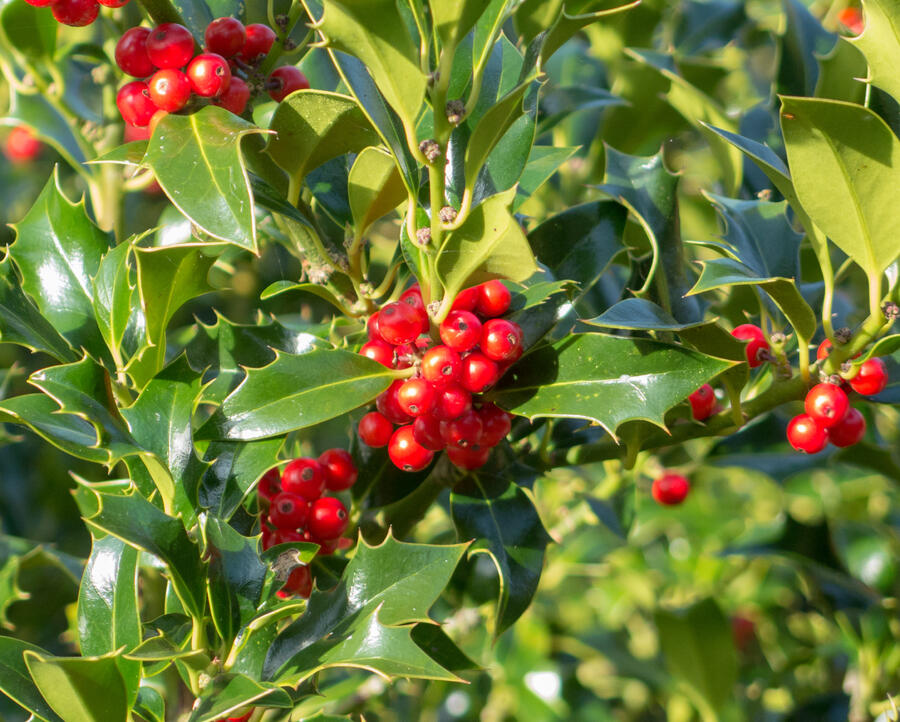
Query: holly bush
x: 449, y: 359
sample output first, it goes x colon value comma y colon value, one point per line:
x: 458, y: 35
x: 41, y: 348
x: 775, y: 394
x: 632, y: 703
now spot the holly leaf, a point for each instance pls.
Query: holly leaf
x: 231, y: 693
x: 16, y: 681
x: 639, y: 314
x: 355, y: 624
x: 80, y: 689
x: 234, y: 470
x: 375, y: 187
x: 880, y: 43
x: 605, y: 379
x: 112, y: 298
x: 27, y: 29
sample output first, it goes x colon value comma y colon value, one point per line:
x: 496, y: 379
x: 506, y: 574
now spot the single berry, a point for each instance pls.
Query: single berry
x: 467, y: 299
x: 427, y: 432
x: 270, y: 484
x: 871, y: 379
x: 493, y: 299
x: 702, y: 401
x: 22, y: 145
x: 285, y: 80
x: 236, y: 97
x: 225, y: 37
x: 76, y: 13
x: 756, y: 342
x: 441, y: 366
x: 670, y: 489
x: 304, y: 476
x: 340, y: 471
x: 407, y: 453
x: 131, y: 53
x: 468, y: 459
x: 501, y: 340
x: 288, y: 511
x: 827, y: 404
x: 328, y: 518
x: 170, y: 45
x: 464, y: 431
x: 209, y: 74
x: 259, y: 41
x: 478, y: 372
x: 825, y: 348
x: 300, y: 582
x: 372, y: 327
x: 399, y: 323
x: 134, y: 103
x: 452, y: 402
x: 804, y: 433
x: 380, y: 351
x: 375, y: 429
x: 170, y: 89
x: 461, y: 330
x: 412, y: 296
x: 388, y: 404
x: 495, y: 425
x: 850, y: 430
x: 416, y: 397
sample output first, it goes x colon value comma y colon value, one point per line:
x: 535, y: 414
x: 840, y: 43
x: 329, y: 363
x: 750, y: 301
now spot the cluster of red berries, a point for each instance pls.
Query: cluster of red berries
x: 298, y: 511
x: 21, y: 145
x: 829, y: 416
x: 435, y: 409
x: 670, y: 489
x: 172, y: 76
x: 76, y: 13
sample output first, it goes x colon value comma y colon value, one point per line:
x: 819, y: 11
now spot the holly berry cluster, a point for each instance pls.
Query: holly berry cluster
x: 76, y: 13
x: 296, y: 509
x: 173, y: 78
x: 438, y: 408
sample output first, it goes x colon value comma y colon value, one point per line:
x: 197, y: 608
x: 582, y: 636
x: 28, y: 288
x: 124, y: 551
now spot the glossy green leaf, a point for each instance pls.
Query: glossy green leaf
x: 561, y: 103
x: 453, y: 19
x: 22, y: 323
x: 639, y: 314
x: 568, y: 25
x: 28, y: 29
x: 804, y: 41
x: 126, y: 154
x: 543, y: 162
x: 279, y: 287
x: 313, y: 126
x: 375, y: 187
x: 150, y: 705
x: 856, y: 150
x: 391, y: 584
x: 606, y: 379
x: 80, y: 689
x: 16, y: 682
x: 538, y: 307
x: 231, y: 693
x: 296, y: 391
x: 492, y: 510
x: 58, y: 250
x: 112, y: 297
x: 234, y: 470
x: 880, y: 43
x: 48, y: 124
x: 198, y: 163
x: 489, y: 244
x: 374, y: 32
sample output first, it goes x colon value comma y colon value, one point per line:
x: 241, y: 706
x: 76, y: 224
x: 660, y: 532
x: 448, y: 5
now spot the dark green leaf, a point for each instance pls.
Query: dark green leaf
x: 80, y: 689
x: 804, y: 41
x: 16, y: 682
x: 538, y: 307
x: 112, y: 298
x: 234, y: 470
x: 232, y: 692
x: 638, y: 314
x: 150, y: 705
x: 543, y: 162
x: 279, y: 287
x: 47, y: 123
x: 28, y: 29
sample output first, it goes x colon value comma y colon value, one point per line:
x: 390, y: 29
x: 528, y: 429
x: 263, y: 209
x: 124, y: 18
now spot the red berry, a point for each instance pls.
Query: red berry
x: 871, y: 379
x: 461, y: 330
x: 225, y: 36
x: 804, y: 433
x: 113, y: 3
x: 493, y: 299
x: 285, y: 80
x: 170, y: 45
x: 340, y: 471
x: 441, y: 366
x: 372, y: 327
x: 825, y: 349
x: 416, y: 397
x: 380, y: 351
x: 237, y: 96
x: 405, y: 356
x: 134, y: 103
x: 757, y: 342
x: 40, y: 3
x: 76, y: 13
x: 209, y: 74
x: 375, y: 429
x: 702, y: 401
x: 468, y: 459
x: 850, y: 430
x: 827, y: 404
x: 327, y: 547
x: 328, y: 518
x: 501, y: 340
x: 300, y: 582
x: 464, y: 431
x: 270, y: 484
x: 452, y: 402
x: 407, y: 453
x: 22, y: 145
x: 427, y: 432
x: 131, y: 53
x: 413, y: 297
x: 288, y: 511
x: 478, y: 372
x: 304, y: 476
x: 467, y: 299
x: 259, y: 42
x: 670, y: 489
x: 495, y: 424
x: 388, y: 404
x: 399, y: 323
x: 170, y: 89
x: 242, y: 718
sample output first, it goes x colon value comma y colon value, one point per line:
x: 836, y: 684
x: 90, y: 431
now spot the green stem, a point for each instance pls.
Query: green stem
x: 268, y: 64
x: 162, y: 11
